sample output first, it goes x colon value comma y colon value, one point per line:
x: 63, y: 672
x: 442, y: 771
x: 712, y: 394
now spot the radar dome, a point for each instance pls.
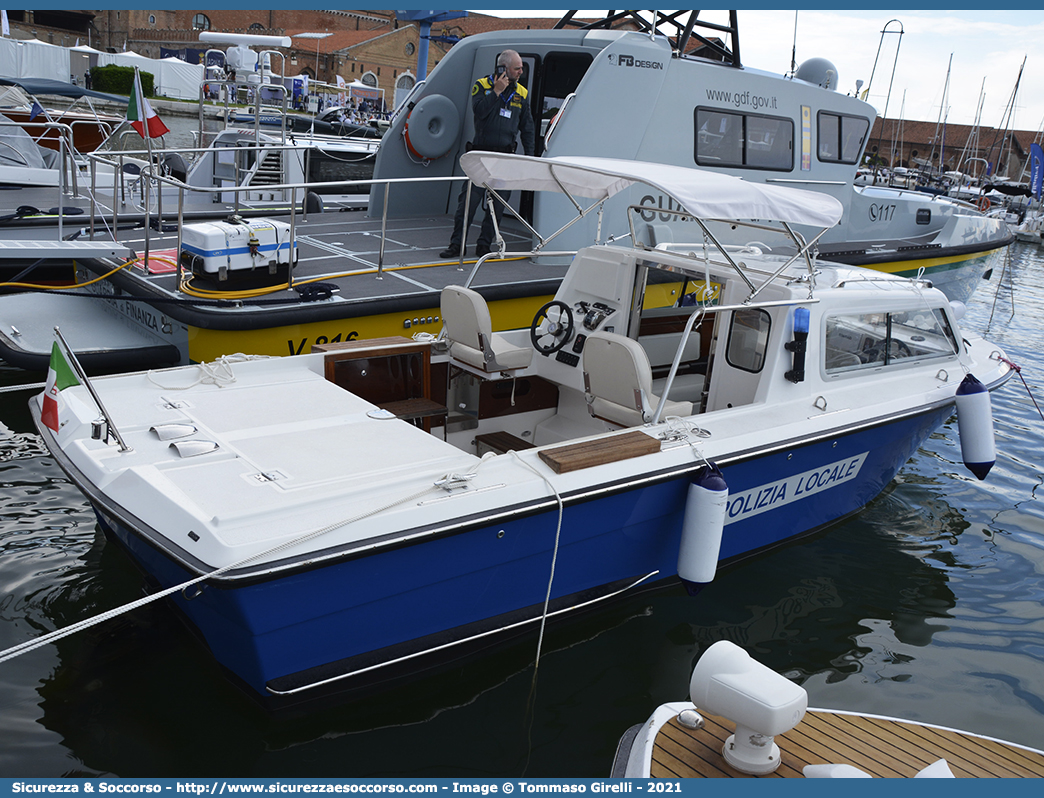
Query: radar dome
x: 820, y: 72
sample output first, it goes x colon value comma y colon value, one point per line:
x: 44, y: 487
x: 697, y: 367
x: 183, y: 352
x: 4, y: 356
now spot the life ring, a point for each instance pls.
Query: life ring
x: 984, y: 203
x: 432, y: 127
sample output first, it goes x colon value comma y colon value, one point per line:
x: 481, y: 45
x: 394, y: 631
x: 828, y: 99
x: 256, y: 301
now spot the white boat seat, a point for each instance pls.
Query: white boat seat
x: 661, y: 347
x: 685, y: 388
x: 618, y: 382
x: 469, y: 330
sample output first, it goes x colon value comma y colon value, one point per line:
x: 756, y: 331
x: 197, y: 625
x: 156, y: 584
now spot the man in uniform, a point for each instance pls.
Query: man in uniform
x: 501, y: 108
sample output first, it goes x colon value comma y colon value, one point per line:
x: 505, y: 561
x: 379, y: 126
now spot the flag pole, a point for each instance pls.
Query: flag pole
x: 64, y: 346
x: 146, y: 181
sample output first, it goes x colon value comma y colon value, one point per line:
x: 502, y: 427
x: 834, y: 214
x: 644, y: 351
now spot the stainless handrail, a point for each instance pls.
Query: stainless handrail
x: 66, y: 157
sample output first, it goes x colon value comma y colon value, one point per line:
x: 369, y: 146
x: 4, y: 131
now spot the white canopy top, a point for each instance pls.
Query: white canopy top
x: 707, y: 195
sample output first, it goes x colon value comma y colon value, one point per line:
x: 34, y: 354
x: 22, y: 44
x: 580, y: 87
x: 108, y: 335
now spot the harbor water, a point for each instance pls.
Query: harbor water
x: 929, y: 604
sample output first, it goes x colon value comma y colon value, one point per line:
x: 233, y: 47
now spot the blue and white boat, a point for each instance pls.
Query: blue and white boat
x: 378, y: 506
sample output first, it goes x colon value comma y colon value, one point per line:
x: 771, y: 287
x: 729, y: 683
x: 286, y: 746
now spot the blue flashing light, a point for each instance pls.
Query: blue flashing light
x: 801, y: 320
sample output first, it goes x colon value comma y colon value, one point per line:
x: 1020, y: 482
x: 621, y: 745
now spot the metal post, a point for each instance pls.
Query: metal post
x: 293, y: 234
x: 384, y: 232
x: 94, y: 203
x: 177, y: 252
x: 237, y: 165
x: 145, y: 184
x: 61, y: 181
x: 464, y: 229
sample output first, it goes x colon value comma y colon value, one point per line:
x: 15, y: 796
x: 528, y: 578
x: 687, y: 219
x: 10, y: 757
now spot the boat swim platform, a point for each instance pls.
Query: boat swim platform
x: 30, y: 206
x: 30, y: 249
x: 881, y: 747
x: 343, y: 251
x: 330, y: 242
x: 343, y: 288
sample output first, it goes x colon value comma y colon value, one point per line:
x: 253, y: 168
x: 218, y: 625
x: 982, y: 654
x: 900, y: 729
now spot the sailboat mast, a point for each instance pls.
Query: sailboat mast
x: 1008, y: 119
x: 940, y: 122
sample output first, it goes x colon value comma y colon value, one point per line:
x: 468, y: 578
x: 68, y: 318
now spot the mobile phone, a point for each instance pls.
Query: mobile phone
x: 501, y: 69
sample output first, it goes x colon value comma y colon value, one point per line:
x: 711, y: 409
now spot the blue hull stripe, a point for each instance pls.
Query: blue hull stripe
x: 268, y: 630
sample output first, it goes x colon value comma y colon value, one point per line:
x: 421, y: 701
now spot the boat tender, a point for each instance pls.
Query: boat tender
x: 375, y: 507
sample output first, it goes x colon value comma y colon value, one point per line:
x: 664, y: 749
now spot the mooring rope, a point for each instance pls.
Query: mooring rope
x: 531, y: 699
x: 26, y: 387
x: 445, y: 483
x: 996, y: 294
x: 1018, y: 370
x: 217, y: 372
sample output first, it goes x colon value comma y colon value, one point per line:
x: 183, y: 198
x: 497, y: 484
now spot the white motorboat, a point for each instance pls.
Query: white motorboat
x: 374, y: 507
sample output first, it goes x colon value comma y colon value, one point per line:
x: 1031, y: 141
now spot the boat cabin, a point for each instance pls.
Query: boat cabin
x: 638, y: 335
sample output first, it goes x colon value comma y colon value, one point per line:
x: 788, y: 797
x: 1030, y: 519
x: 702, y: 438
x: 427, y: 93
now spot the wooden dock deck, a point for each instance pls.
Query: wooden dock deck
x: 881, y: 747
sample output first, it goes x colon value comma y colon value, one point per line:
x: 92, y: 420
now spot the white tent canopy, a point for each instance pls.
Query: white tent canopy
x: 707, y: 195
x: 33, y: 59
x: 173, y: 77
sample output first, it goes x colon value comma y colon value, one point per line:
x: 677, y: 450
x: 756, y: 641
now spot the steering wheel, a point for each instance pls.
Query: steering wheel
x: 552, y: 327
x: 877, y: 352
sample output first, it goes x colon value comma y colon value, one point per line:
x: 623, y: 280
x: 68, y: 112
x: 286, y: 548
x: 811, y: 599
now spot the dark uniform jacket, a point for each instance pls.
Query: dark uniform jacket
x: 494, y: 130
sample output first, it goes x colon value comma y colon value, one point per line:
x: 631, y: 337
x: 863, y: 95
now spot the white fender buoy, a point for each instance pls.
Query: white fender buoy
x: 834, y: 772
x: 939, y: 769
x: 702, y: 527
x: 432, y: 127
x: 975, y: 426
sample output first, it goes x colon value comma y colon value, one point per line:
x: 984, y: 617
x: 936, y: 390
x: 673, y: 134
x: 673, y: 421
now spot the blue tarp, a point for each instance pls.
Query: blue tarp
x: 57, y: 87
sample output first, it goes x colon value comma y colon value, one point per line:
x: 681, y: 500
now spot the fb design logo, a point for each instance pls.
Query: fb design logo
x: 624, y: 60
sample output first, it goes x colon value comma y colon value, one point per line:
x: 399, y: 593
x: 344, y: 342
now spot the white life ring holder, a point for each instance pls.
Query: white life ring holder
x: 432, y: 127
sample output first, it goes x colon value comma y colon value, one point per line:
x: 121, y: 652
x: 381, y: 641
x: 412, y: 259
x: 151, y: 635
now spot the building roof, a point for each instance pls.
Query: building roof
x: 337, y: 40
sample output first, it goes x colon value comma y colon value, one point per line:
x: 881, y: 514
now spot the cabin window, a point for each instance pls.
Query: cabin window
x: 873, y: 340
x: 841, y: 138
x: 749, y: 141
x: 748, y: 339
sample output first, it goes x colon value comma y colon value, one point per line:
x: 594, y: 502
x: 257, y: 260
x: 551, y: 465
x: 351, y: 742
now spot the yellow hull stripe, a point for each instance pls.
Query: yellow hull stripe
x: 913, y: 266
x: 294, y: 339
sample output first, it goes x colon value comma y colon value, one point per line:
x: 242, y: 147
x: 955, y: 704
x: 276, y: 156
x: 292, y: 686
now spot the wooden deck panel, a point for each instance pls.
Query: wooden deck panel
x: 882, y: 747
x: 585, y: 454
x: 968, y: 752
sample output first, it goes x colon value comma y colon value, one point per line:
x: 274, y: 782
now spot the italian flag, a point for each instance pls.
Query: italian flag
x: 59, y: 377
x: 140, y: 113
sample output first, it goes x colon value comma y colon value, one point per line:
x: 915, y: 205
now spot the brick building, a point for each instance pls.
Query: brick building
x: 960, y: 147
x: 372, y: 47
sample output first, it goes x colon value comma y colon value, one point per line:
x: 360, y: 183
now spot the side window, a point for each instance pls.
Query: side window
x: 873, y: 340
x: 751, y: 141
x: 840, y: 139
x: 719, y: 138
x: 770, y: 142
x: 748, y: 339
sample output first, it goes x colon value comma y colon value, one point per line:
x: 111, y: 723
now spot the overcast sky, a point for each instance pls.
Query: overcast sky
x: 987, y: 46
